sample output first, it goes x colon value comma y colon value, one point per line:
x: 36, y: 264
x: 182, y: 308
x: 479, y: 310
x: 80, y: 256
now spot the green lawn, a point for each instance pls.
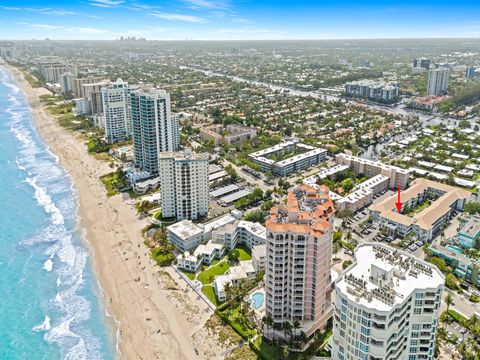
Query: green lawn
x: 189, y: 274
x: 162, y: 259
x: 209, y: 292
x: 244, y: 253
x: 219, y: 269
x: 459, y: 318
x: 267, y: 350
x: 419, y: 207
x: 107, y: 181
x: 241, y: 325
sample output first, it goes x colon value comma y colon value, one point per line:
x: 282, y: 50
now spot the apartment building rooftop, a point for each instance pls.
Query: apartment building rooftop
x: 382, y: 277
x: 294, y: 159
x: 185, y: 229
x: 425, y: 218
x: 275, y: 148
x: 374, y: 163
x: 308, y: 211
x: 254, y: 228
x: 472, y: 227
x: 186, y: 155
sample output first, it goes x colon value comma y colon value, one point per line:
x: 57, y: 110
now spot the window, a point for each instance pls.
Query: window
x: 417, y: 311
x: 365, y: 331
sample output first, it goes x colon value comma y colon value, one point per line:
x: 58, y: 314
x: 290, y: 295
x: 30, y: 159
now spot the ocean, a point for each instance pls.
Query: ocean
x: 50, y: 301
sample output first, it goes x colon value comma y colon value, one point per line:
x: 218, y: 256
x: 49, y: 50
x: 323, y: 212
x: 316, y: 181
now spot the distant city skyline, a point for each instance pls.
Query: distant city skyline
x: 237, y: 20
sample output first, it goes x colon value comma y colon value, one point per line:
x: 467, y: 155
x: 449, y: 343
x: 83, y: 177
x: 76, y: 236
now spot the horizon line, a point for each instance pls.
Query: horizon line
x: 280, y: 39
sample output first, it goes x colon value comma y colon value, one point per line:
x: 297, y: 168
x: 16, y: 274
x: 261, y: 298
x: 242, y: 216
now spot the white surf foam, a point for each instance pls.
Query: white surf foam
x: 48, y: 265
x: 51, y: 191
x: 44, y: 326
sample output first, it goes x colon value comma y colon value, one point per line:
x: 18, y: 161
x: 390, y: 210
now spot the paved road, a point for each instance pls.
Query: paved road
x: 247, y: 177
x: 462, y: 305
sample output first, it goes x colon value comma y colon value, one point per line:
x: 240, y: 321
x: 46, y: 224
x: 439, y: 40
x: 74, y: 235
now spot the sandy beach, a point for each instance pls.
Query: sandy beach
x: 156, y: 315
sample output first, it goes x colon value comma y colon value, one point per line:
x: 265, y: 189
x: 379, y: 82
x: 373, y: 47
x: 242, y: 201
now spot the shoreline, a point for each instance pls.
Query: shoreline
x: 153, y: 312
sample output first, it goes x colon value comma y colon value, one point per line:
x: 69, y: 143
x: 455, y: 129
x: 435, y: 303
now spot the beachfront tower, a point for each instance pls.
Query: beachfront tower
x: 299, y: 260
x: 155, y: 130
x: 184, y: 185
x: 387, y: 305
x: 116, y: 111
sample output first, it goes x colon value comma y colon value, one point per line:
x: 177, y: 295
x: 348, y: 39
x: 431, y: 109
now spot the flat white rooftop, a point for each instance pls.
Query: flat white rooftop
x: 218, y: 222
x: 272, y: 149
x: 254, y: 228
x: 374, y: 163
x: 300, y: 157
x: 185, y: 229
x: 380, y: 269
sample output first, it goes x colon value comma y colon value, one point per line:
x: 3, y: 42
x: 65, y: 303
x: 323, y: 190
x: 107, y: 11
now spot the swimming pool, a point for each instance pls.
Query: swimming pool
x: 257, y: 300
x: 454, y: 248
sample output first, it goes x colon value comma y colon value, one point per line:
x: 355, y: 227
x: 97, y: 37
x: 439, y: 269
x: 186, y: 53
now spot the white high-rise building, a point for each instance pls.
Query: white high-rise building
x: 184, y: 184
x: 437, y: 81
x: 387, y: 305
x: 298, y: 283
x: 116, y: 111
x: 155, y: 130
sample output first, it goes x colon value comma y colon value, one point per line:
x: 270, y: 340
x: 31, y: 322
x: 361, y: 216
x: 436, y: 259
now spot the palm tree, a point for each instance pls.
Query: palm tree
x: 268, y: 321
x: 462, y: 349
x: 442, y: 333
x: 348, y: 236
x: 303, y: 337
x: 287, y: 329
x: 448, y: 300
x: 472, y: 322
x: 296, y: 326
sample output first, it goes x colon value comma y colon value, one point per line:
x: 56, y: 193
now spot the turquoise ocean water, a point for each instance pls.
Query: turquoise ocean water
x: 50, y: 302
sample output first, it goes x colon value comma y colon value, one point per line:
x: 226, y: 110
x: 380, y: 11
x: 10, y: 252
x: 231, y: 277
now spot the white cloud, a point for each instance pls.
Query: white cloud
x: 106, y: 3
x: 209, y: 4
x: 177, y: 17
x: 44, y: 11
x: 77, y: 29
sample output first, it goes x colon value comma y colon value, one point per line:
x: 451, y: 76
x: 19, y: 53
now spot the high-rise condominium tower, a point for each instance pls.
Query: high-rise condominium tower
x: 299, y: 258
x: 184, y: 184
x: 387, y: 306
x: 155, y: 130
x: 437, y: 81
x: 116, y: 111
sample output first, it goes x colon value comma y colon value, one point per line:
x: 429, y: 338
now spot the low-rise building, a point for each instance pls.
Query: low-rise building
x: 373, y: 90
x: 221, y: 235
x: 308, y: 156
x: 245, y: 270
x: 427, y: 103
x: 463, y: 267
x: 231, y: 134
x: 185, y: 235
x: 398, y: 176
x: 445, y: 200
x: 469, y: 232
x: 259, y: 255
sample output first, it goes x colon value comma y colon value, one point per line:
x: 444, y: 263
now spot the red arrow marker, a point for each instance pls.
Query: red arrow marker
x: 398, y: 204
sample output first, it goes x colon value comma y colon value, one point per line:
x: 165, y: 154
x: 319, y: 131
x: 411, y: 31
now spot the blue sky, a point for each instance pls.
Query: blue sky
x: 238, y: 19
